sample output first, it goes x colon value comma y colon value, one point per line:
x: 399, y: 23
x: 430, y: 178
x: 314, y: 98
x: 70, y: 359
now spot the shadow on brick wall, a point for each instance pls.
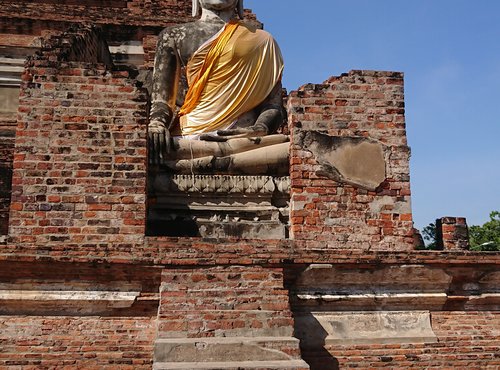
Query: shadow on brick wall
x: 307, y: 328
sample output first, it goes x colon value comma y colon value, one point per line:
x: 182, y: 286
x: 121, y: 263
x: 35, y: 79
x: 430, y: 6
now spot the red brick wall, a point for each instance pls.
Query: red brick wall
x: 67, y: 333
x: 52, y: 275
x: 465, y: 341
x: 36, y: 342
x: 365, y: 104
x: 24, y: 23
x: 223, y: 301
x: 80, y: 157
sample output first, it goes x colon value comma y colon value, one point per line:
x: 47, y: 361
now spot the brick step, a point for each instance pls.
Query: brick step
x: 224, y: 324
x: 233, y: 365
x: 225, y: 349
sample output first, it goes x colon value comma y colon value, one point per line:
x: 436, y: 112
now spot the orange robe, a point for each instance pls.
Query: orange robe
x: 235, y: 77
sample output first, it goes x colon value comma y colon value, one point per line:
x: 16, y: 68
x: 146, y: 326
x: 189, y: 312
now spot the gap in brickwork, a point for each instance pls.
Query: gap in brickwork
x: 9, y: 101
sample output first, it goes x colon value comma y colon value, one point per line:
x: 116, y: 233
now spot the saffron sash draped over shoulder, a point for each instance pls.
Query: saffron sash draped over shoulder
x: 228, y: 76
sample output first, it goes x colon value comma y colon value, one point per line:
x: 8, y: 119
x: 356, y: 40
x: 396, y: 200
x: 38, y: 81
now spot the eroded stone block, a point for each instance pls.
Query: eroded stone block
x: 365, y: 328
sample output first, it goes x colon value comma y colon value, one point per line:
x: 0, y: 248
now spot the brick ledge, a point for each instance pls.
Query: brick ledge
x: 203, y: 252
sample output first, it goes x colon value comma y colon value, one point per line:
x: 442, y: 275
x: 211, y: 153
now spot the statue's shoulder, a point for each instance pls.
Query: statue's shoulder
x: 179, y: 31
x: 189, y: 31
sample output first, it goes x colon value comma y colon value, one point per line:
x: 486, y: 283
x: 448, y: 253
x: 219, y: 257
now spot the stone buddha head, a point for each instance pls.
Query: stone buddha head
x: 218, y: 5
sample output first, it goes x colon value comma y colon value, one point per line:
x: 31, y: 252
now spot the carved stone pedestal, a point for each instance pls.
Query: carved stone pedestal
x: 218, y: 206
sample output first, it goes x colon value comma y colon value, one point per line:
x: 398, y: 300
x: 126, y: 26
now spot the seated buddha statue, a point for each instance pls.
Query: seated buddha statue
x: 216, y: 97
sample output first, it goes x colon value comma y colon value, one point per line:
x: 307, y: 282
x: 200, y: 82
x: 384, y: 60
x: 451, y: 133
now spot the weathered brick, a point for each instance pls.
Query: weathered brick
x: 359, y: 210
x: 80, y: 173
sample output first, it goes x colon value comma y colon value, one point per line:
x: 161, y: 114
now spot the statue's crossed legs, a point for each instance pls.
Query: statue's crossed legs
x: 243, y: 156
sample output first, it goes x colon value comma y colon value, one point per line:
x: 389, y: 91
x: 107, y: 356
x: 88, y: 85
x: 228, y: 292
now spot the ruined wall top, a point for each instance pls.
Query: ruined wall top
x: 117, y: 12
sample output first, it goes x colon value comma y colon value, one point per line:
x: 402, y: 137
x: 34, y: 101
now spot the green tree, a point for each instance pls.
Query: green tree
x: 487, y: 236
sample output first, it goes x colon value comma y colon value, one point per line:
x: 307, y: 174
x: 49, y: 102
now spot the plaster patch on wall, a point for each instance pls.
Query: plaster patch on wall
x: 356, y: 161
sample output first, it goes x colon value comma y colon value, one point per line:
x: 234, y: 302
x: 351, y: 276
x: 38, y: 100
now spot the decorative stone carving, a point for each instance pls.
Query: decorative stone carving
x: 220, y: 184
x: 219, y: 206
x: 366, y: 328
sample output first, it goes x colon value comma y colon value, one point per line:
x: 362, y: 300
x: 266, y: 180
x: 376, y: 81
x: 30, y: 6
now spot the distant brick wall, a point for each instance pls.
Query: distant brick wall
x: 24, y: 23
x: 465, y: 341
x: 81, y: 44
x: 80, y: 157
x: 76, y: 342
x: 119, y: 12
x: 452, y: 233
x: 329, y: 214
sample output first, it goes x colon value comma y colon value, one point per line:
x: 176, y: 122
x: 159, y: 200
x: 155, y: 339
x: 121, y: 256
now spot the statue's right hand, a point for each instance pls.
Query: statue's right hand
x: 158, y: 142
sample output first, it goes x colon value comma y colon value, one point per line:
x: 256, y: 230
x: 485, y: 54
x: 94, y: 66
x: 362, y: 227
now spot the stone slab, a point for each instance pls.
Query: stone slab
x: 64, y: 302
x: 223, y: 349
x: 367, y: 301
x: 113, y: 299
x: 219, y: 206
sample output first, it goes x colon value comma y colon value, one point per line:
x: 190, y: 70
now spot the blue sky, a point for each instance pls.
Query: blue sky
x: 449, y: 51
